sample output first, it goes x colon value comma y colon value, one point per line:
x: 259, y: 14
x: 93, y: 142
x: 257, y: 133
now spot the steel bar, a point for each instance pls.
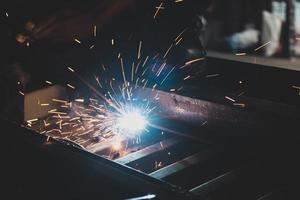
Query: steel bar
x: 217, y: 182
x: 183, y: 164
x: 147, y: 151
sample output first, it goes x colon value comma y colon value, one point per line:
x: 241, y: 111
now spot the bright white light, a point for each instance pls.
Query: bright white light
x: 117, y: 144
x: 149, y: 196
x: 131, y: 122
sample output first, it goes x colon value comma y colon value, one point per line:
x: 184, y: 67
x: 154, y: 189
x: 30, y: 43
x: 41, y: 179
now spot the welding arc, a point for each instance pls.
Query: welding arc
x: 119, y: 110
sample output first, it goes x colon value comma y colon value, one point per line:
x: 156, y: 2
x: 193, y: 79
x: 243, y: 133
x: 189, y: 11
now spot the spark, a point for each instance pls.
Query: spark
x: 78, y: 41
x: 57, y: 112
x: 95, y: 31
x: 178, y: 41
x: 180, y: 34
x: 240, y: 54
x: 66, y: 133
x: 123, y: 72
x: 161, y: 69
x: 230, y: 99
x: 132, y: 71
x: 98, y: 82
x: 296, y: 87
x: 177, y: 1
x: 6, y: 14
x: 187, y: 77
x: 160, y: 7
x: 71, y: 69
x: 139, y: 51
x: 145, y: 84
x: 167, y: 75
x: 145, y: 62
x: 21, y: 93
x: 154, y: 86
x: 242, y: 93
x: 262, y: 46
x: 71, y: 86
x: 136, y: 82
x: 204, y: 123
x: 45, y: 123
x: 79, y: 100
x: 49, y: 82
x: 212, y: 75
x: 192, y: 61
x: 195, y: 60
x: 168, y: 50
x: 75, y: 118
x: 103, y: 67
x: 60, y: 101
x: 45, y: 104
x: 137, y: 67
x: 32, y: 120
x: 112, y: 42
x: 242, y: 105
x: 148, y: 196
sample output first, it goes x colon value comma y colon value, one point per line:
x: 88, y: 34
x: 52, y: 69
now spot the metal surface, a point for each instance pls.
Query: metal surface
x: 88, y: 168
x: 162, y: 145
x: 262, y: 129
x: 214, y: 183
x: 182, y: 164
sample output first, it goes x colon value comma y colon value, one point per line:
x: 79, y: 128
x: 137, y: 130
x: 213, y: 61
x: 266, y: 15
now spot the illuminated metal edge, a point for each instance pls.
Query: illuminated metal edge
x: 226, y: 179
x: 214, y: 183
x: 183, y: 164
x: 267, y: 196
x: 147, y: 151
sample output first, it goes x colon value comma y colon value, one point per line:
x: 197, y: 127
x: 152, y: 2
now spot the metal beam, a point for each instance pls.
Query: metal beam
x: 183, y: 164
x: 147, y: 151
x: 211, y: 185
